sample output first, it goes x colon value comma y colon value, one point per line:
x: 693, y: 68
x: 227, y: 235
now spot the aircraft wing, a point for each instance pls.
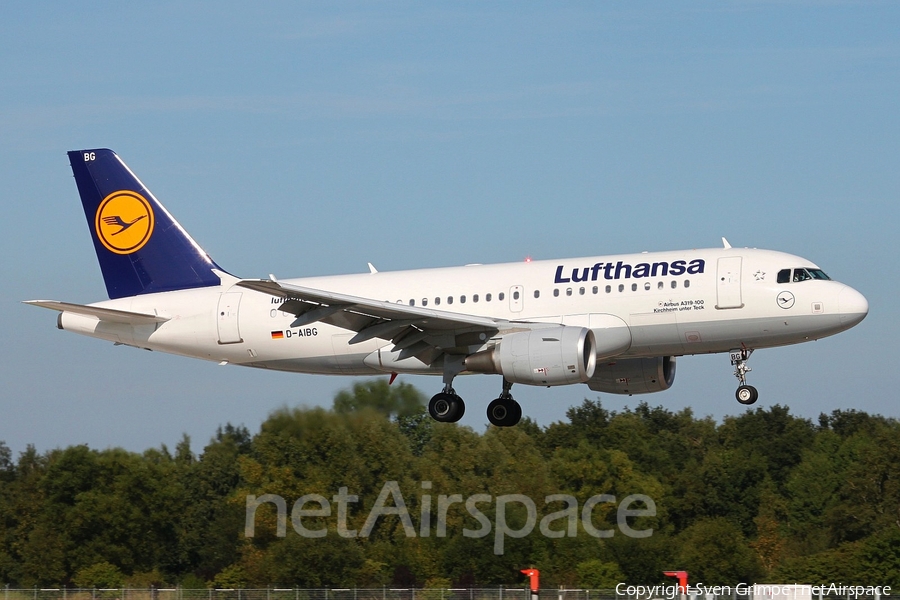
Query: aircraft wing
x: 417, y: 331
x: 104, y: 314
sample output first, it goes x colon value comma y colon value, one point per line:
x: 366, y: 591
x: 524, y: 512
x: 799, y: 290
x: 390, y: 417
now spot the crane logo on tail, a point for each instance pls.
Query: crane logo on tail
x: 124, y: 222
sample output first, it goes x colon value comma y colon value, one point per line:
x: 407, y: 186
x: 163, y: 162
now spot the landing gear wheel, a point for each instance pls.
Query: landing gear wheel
x: 504, y: 412
x: 746, y: 394
x: 446, y: 407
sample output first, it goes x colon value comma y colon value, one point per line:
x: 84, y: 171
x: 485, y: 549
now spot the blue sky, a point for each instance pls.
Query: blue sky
x: 309, y: 138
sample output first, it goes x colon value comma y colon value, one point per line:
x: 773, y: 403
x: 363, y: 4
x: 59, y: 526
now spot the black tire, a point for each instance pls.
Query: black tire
x: 515, y: 414
x: 504, y: 412
x: 446, y: 408
x: 440, y: 407
x: 459, y: 409
x: 746, y: 395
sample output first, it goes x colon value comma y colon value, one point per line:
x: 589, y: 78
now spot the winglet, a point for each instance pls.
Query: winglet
x: 372, y: 268
x: 725, y: 243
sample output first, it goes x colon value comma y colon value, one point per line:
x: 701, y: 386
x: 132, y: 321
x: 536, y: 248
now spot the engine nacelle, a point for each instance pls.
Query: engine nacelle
x: 634, y: 375
x: 548, y: 356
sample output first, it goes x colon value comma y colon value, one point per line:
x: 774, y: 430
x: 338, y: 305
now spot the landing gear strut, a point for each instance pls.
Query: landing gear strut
x: 745, y: 394
x: 447, y: 406
x: 504, y: 411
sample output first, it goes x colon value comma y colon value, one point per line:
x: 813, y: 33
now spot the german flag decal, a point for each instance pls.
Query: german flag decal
x: 277, y: 335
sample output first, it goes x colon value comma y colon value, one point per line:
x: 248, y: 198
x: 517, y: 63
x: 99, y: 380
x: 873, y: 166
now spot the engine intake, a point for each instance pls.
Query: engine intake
x: 547, y: 356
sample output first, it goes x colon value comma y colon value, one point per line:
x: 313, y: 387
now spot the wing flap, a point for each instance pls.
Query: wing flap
x: 416, y: 331
x: 368, y: 308
x: 104, y: 314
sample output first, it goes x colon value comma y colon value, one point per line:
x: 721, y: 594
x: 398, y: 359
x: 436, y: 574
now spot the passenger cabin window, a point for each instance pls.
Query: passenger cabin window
x: 424, y: 301
x: 474, y: 297
x: 556, y: 293
x: 501, y: 296
x: 487, y: 298
x: 516, y: 295
x: 537, y: 293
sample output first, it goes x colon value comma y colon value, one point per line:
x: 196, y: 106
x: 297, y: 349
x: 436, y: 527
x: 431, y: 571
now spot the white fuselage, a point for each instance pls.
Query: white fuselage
x: 649, y: 304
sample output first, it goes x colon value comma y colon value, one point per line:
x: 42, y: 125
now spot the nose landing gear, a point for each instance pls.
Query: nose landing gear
x: 745, y: 394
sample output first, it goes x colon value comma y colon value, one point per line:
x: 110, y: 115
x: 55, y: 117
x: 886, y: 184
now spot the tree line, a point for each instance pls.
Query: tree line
x: 765, y: 496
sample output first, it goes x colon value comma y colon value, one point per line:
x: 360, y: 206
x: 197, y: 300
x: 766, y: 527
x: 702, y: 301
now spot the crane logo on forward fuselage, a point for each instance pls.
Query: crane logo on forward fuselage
x: 124, y: 222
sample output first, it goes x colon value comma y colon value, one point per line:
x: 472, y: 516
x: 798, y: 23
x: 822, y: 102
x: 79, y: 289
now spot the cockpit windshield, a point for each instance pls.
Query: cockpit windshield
x: 796, y: 275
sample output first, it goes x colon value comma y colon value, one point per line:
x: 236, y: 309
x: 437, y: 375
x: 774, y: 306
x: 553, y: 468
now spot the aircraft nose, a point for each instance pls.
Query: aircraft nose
x: 853, y: 306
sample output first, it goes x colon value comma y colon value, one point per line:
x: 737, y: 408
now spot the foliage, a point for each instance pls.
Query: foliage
x: 597, y: 574
x: 99, y: 575
x: 763, y: 496
x: 400, y: 400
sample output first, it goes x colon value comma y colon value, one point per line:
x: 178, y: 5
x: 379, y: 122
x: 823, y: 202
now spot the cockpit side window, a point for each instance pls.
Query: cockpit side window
x: 801, y: 275
x: 784, y: 275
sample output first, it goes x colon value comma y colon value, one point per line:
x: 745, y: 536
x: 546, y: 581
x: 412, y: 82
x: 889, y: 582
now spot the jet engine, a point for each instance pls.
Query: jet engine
x: 547, y: 356
x: 634, y: 375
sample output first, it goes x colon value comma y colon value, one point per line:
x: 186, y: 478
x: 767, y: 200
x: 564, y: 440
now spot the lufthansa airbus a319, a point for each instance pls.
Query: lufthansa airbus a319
x: 614, y: 323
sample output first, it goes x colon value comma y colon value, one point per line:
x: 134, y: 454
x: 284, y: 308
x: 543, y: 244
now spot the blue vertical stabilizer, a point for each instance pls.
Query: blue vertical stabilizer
x: 141, y: 248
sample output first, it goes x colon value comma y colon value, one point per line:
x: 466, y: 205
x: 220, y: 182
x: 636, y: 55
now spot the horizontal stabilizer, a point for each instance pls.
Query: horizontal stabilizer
x: 104, y: 314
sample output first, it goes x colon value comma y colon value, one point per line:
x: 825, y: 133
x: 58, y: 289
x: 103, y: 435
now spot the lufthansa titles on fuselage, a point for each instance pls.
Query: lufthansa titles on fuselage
x: 623, y: 270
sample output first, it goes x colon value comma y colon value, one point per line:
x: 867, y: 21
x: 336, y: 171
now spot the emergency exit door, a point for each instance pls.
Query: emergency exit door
x: 227, y: 318
x: 728, y: 283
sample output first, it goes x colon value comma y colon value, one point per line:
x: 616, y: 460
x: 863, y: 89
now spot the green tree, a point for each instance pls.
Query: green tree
x: 99, y: 575
x: 715, y: 552
x: 398, y: 400
x: 596, y: 574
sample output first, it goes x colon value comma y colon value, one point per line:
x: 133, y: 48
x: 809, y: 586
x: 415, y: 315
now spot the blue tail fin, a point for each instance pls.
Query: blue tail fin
x: 141, y: 248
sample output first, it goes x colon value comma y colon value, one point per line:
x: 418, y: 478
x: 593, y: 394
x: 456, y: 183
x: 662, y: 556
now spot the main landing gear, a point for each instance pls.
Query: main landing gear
x: 504, y: 411
x: 448, y: 407
x: 745, y: 394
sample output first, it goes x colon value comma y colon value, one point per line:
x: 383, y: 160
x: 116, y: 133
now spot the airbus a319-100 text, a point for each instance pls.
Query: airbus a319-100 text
x: 615, y: 323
